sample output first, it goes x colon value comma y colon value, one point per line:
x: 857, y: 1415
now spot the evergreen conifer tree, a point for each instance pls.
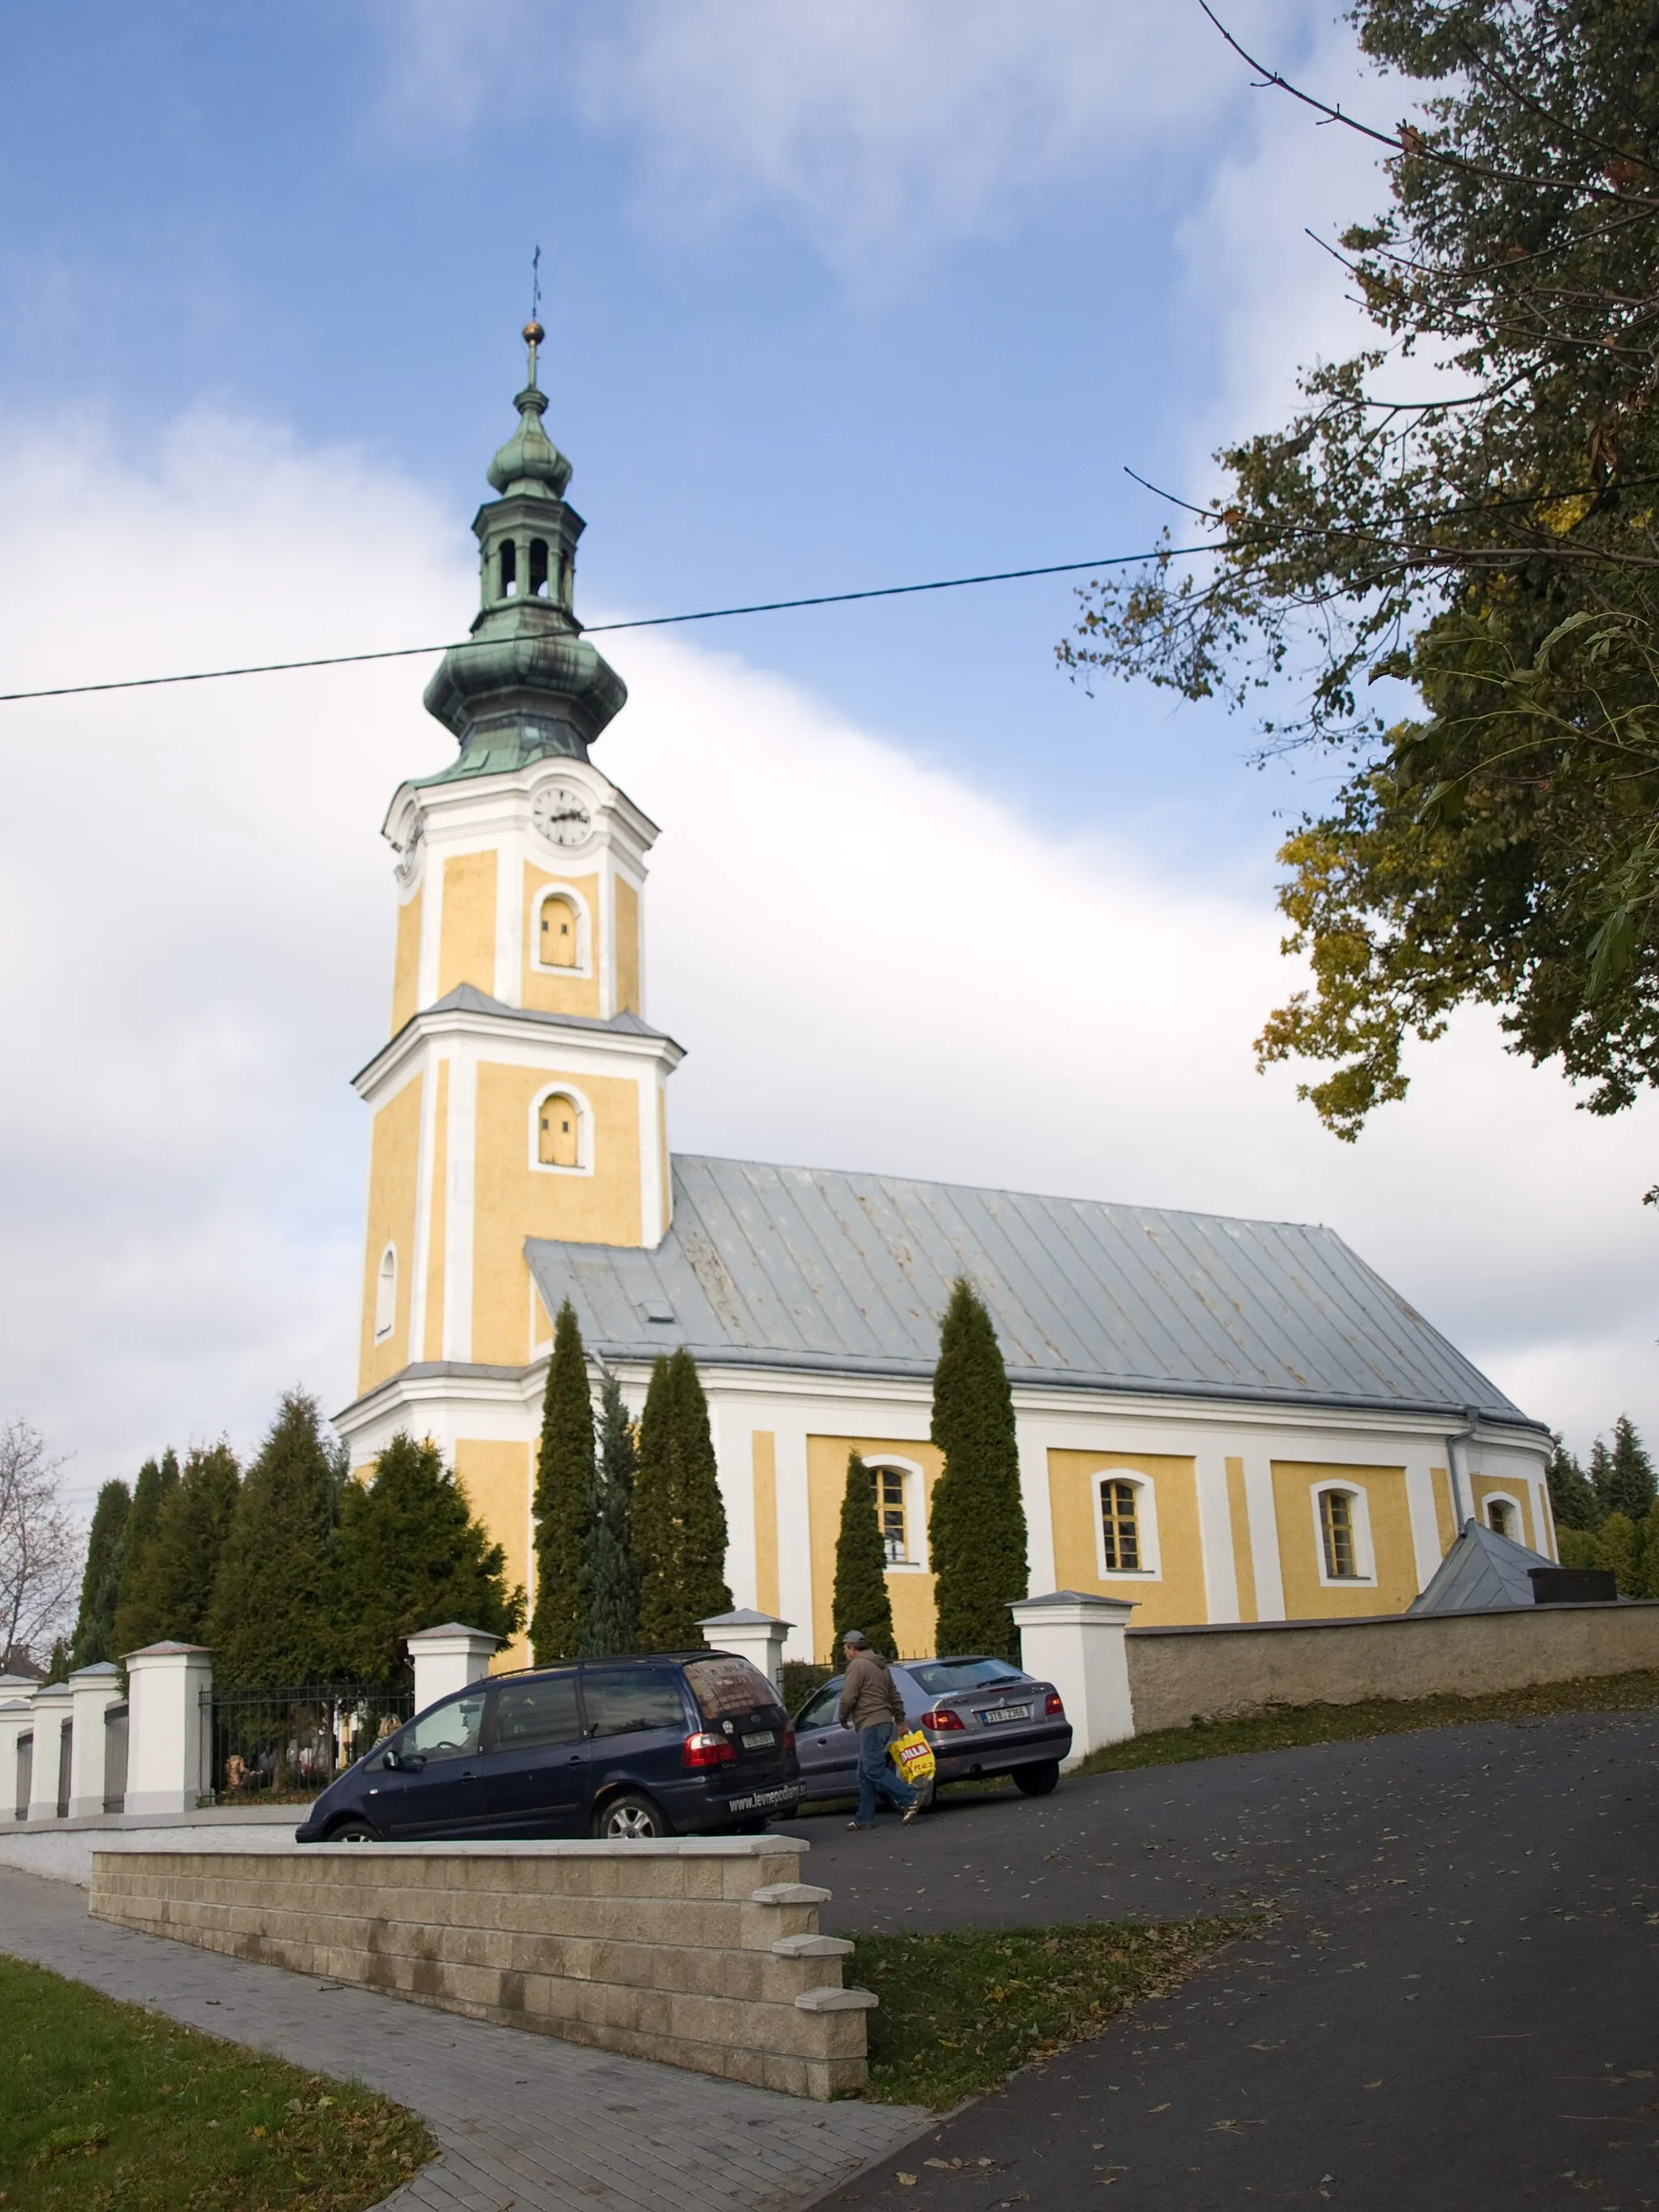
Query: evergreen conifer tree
x: 1646, y: 1560
x: 57, y: 1666
x: 138, y: 1617
x: 977, y: 1530
x: 1572, y: 1496
x: 190, y: 1536
x: 1576, y: 1547
x: 861, y: 1598
x: 271, y: 1621
x: 94, y: 1623
x: 565, y: 1483
x: 411, y: 1556
x: 679, y: 1520
x: 1629, y: 1479
x: 1618, y: 1548
x: 610, y: 1584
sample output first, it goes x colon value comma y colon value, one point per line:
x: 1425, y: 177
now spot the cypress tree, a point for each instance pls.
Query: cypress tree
x: 861, y: 1599
x: 976, y: 1533
x: 94, y: 1623
x: 270, y: 1623
x: 138, y: 1617
x: 1618, y: 1547
x: 679, y: 1521
x: 57, y: 1666
x: 189, y: 1536
x: 411, y: 1556
x: 565, y: 1483
x: 1572, y: 1498
x: 610, y: 1586
x: 1630, y: 1482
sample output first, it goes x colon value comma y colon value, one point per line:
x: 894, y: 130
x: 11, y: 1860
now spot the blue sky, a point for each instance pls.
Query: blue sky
x: 835, y: 297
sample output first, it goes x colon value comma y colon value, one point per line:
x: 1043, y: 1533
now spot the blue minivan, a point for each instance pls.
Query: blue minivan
x: 678, y: 1743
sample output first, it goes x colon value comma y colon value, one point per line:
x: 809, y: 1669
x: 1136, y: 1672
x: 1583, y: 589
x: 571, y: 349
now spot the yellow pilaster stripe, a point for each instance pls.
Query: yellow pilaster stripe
x: 766, y: 1520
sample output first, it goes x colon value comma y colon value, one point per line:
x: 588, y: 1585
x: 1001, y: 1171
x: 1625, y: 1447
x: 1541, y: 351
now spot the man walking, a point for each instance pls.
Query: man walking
x: 870, y: 1703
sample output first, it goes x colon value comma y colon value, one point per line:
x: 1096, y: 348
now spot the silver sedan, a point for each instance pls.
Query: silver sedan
x: 984, y: 1717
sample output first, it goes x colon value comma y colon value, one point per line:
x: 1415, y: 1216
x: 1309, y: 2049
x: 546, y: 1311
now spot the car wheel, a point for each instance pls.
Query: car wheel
x: 630, y: 1817
x: 352, y: 1832
x: 1037, y: 1781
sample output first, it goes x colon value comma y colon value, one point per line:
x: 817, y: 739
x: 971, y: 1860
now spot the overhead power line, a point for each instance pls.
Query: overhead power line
x: 641, y: 622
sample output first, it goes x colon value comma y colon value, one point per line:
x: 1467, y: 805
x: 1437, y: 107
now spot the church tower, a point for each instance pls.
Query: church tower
x: 521, y: 1091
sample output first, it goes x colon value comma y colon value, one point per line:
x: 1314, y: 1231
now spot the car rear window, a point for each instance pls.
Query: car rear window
x: 725, y: 1686
x: 620, y: 1700
x: 938, y: 1677
x: 544, y: 1710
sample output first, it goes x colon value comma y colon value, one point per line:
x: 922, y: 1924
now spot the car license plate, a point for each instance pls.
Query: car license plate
x: 760, y: 1740
x: 1008, y: 1713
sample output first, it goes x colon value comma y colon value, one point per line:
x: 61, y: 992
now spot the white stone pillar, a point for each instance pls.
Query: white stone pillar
x: 1075, y: 1641
x: 93, y: 1691
x: 756, y: 1636
x: 16, y: 1720
x: 52, y: 1708
x: 169, y: 1725
x: 448, y: 1658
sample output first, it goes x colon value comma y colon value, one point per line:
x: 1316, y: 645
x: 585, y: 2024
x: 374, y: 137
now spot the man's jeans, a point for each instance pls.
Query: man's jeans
x: 876, y: 1775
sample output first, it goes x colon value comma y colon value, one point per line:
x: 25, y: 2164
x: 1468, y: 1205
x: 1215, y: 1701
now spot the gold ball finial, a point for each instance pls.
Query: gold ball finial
x: 533, y: 332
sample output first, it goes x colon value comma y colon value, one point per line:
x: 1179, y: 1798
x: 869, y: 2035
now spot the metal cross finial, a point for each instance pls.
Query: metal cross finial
x: 532, y: 330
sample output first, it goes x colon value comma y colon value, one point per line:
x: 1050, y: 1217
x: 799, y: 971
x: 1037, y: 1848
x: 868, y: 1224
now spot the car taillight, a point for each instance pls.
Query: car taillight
x: 1052, y: 1703
x: 941, y: 1717
x: 707, y: 1749
x: 789, y: 1739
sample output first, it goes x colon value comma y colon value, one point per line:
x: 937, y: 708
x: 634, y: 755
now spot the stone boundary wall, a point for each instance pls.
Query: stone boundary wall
x: 702, y: 1952
x: 1226, y: 1672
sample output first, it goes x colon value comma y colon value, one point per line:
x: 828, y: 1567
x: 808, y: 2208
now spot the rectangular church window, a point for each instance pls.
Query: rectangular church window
x: 1336, y: 1527
x: 1120, y: 1528
x: 887, y: 1483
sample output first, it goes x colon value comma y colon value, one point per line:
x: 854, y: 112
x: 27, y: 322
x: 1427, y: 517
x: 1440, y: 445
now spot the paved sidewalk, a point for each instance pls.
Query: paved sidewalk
x: 526, y: 2124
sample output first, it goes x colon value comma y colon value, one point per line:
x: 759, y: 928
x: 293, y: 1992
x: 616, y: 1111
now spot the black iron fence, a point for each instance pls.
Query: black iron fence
x: 272, y: 1745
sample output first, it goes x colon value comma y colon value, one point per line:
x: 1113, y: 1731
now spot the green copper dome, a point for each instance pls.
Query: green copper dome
x: 527, y: 684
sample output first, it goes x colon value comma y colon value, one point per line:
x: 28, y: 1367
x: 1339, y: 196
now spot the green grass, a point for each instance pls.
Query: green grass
x: 961, y: 2009
x: 105, y: 2104
x: 1284, y: 1727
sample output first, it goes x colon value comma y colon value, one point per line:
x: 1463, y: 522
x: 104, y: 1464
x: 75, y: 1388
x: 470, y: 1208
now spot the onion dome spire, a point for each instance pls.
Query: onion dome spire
x: 527, y: 684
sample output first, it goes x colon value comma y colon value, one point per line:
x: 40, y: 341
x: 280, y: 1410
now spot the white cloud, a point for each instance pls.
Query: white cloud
x: 880, y: 130
x: 871, y: 962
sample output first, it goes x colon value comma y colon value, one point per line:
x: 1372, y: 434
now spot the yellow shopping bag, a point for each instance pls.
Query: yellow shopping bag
x: 913, y: 1755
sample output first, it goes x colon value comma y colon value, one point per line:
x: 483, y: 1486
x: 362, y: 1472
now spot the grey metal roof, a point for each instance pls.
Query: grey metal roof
x: 1483, y: 1572
x: 469, y: 999
x: 812, y: 1267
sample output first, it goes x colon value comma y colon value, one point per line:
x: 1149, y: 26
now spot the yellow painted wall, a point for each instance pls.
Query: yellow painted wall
x: 406, y: 967
x: 394, y: 1167
x: 434, y: 1256
x: 1176, y: 1598
x: 496, y: 1480
x: 466, y: 940
x: 910, y: 1590
x: 1238, y: 1522
x: 512, y: 1200
x: 1306, y: 1598
x: 765, y: 1453
x: 628, y: 947
x: 1498, y: 1486
x: 544, y: 990
x: 1445, y: 1520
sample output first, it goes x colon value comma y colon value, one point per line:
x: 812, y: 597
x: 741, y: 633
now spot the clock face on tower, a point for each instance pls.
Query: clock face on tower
x: 560, y: 812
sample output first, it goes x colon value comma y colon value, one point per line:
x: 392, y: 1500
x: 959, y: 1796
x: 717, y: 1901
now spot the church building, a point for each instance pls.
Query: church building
x: 1219, y: 1419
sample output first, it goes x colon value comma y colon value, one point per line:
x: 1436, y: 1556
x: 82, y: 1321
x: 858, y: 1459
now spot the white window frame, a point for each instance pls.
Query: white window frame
x: 915, y: 1517
x: 1516, y: 1530
x: 568, y: 896
x: 1151, y: 1567
x: 584, y: 1129
x: 1360, y: 1520
x: 383, y: 1327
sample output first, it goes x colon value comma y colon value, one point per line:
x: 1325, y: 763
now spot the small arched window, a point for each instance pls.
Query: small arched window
x: 556, y: 937
x: 559, y: 1133
x: 1501, y: 1516
x: 1120, y: 1526
x: 509, y: 569
x: 539, y: 568
x: 1336, y: 1533
x: 385, y: 1293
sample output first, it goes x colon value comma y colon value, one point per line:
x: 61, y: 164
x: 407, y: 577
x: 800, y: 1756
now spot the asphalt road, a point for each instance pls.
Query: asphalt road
x: 1453, y: 2004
